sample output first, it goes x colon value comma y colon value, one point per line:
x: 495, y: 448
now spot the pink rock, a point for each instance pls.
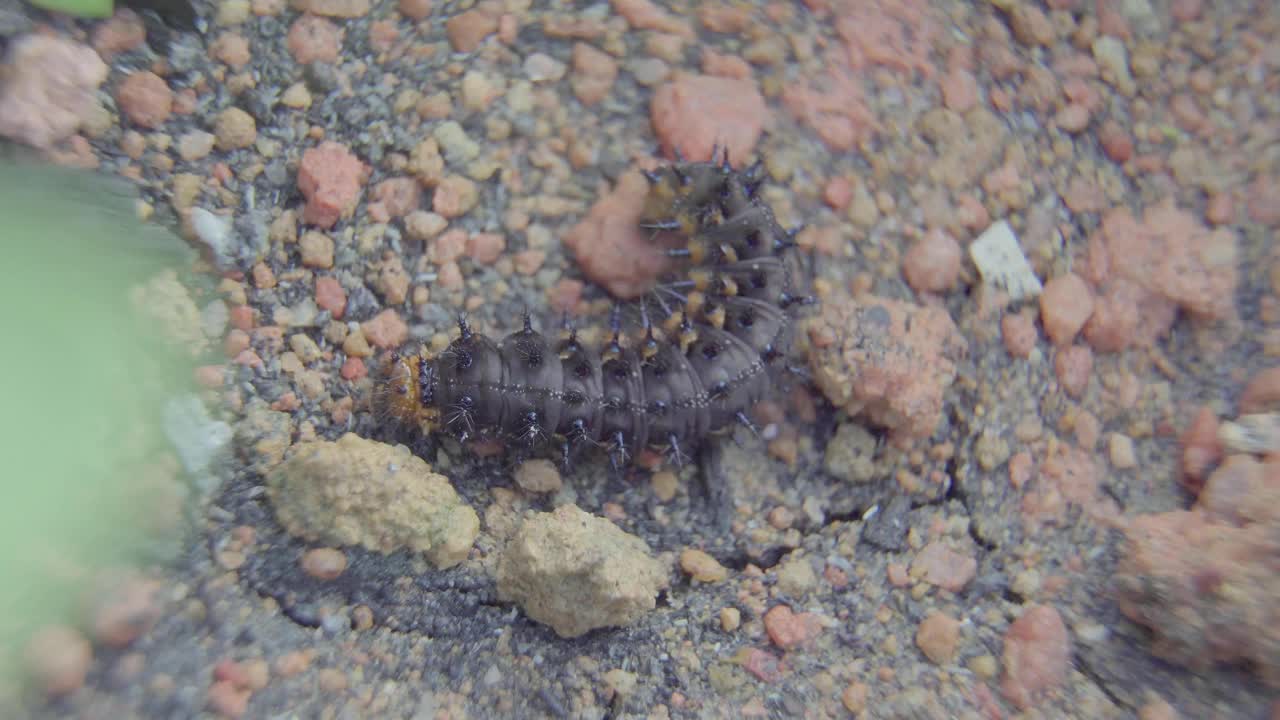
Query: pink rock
x: 1074, y: 366
x: 387, y: 330
x: 467, y: 30
x: 611, y: 248
x: 789, y: 630
x: 1037, y: 654
x: 231, y: 48
x: 932, y: 264
x: 145, y: 98
x: 959, y: 90
x: 1116, y: 143
x: 448, y: 247
x: 329, y: 176
x: 1019, y: 334
x: 644, y: 15
x: 314, y: 39
x: 939, y: 565
x: 594, y: 72
x: 1146, y: 271
x: 696, y: 112
x: 838, y: 193
x: 486, y: 248
x: 330, y: 296
x: 49, y: 89
x: 1065, y: 306
x: 884, y: 359
x: 400, y: 196
x: 123, y: 32
x: 353, y: 369
x: 58, y: 658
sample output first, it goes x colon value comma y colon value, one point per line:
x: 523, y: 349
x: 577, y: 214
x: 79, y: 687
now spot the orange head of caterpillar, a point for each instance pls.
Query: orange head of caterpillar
x: 408, y: 391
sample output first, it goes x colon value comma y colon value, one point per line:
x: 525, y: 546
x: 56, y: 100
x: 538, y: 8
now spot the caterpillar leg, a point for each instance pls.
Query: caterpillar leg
x: 715, y: 486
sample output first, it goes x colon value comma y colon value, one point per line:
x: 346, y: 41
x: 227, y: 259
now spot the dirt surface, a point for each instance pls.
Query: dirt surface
x: 932, y: 521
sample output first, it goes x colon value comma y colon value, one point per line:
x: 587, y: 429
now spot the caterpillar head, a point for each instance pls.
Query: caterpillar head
x: 409, y: 390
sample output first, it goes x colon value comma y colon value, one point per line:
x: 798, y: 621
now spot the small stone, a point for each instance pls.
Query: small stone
x: 58, y: 658
x: 854, y: 697
x: 329, y: 293
x: 788, y: 630
x: 702, y: 567
x: 1065, y: 306
x: 538, y: 476
x: 576, y: 572
x: 665, y: 483
x: 49, y: 89
x: 1120, y: 448
x: 1073, y: 118
x: 730, y: 618
x: 1073, y: 367
x: 1030, y: 25
x: 695, y: 112
x: 386, y: 330
x: 296, y: 96
x: 594, y: 73
x: 317, y: 249
x: 234, y: 129
x: 1037, y: 656
x: 360, y: 492
x: 145, y: 98
x: 195, y: 145
x: 938, y: 637
x: 540, y: 68
x: 939, y: 565
x: 468, y: 29
x: 231, y: 49
x: 329, y: 176
x: 324, y: 563
x: 796, y: 577
x: 415, y: 9
x: 455, y: 196
x: 423, y: 226
x: 932, y: 264
x: 313, y: 39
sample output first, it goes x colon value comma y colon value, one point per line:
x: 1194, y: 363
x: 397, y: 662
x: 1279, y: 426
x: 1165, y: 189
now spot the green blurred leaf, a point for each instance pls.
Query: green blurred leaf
x: 80, y: 8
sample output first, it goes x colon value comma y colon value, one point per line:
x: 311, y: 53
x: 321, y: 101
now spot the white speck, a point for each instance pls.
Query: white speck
x: 1000, y: 260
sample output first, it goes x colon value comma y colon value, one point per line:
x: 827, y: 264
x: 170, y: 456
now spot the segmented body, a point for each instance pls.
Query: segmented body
x: 696, y: 372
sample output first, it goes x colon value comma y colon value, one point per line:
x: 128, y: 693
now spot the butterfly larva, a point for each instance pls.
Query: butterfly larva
x: 695, y: 373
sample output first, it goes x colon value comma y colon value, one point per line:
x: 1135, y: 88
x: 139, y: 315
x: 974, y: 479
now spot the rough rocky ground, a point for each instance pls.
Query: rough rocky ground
x: 967, y: 515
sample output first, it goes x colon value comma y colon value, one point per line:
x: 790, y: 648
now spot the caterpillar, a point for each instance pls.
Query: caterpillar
x: 694, y: 374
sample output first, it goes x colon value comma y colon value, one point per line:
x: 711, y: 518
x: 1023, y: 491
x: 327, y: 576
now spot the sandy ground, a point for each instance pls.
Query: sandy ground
x: 975, y: 507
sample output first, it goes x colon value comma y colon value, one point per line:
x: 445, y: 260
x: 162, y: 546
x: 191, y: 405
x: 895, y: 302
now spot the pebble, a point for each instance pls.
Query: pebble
x: 231, y: 49
x: 329, y: 176
x: 324, y: 563
x: 1073, y: 118
x: 453, y: 142
x: 1073, y: 367
x: 195, y: 145
x: 386, y: 330
x: 542, y: 68
x: 415, y: 9
x: 788, y: 630
x: 1037, y: 655
x: 594, y: 73
x: 234, y: 129
x: 317, y: 250
x: 938, y: 637
x: 468, y: 29
x: 695, y: 112
x: 932, y: 264
x: 58, y: 658
x: 124, y: 610
x: 360, y: 492
x: 577, y: 572
x: 730, y: 618
x: 454, y: 197
x: 145, y: 98
x: 314, y: 39
x: 38, y: 62
x: 1065, y: 305
x: 329, y: 293
x: 1121, y: 452
x: 701, y: 566
x: 939, y: 565
x: 538, y: 476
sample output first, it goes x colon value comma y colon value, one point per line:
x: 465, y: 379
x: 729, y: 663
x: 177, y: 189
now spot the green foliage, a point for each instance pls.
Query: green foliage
x: 79, y: 8
x: 81, y: 380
